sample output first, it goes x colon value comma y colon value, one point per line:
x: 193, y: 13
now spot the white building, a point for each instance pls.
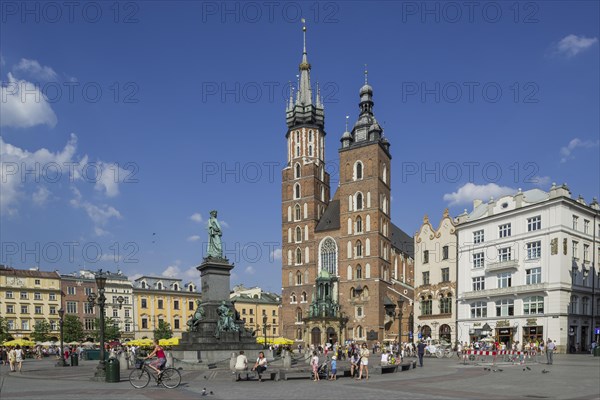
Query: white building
x: 435, y: 279
x: 527, y: 269
x: 118, y: 287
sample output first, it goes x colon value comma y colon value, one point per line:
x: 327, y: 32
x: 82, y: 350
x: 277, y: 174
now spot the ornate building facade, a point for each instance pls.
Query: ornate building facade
x: 347, y: 270
x: 435, y: 279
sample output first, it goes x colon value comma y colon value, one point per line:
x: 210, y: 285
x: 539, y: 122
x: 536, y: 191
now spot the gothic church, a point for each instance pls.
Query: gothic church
x: 347, y: 270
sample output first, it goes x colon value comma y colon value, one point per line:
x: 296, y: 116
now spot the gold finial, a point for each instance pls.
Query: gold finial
x: 366, y: 75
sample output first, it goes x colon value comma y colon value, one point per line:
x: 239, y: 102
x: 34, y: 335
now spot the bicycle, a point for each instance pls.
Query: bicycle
x: 140, y: 377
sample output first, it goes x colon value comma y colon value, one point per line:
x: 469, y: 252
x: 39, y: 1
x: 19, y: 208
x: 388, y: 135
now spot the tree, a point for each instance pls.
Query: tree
x: 111, y: 329
x: 4, y: 334
x: 41, y: 331
x: 163, y: 331
x: 72, y: 328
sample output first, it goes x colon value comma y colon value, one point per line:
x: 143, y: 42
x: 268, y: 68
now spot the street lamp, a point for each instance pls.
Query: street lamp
x: 62, y: 362
x: 100, y: 300
x: 400, y: 306
x: 265, y: 330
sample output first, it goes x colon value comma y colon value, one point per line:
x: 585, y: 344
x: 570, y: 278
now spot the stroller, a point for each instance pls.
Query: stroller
x: 323, y: 371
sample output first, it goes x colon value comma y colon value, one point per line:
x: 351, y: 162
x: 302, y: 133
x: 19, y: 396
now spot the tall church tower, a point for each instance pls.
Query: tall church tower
x: 305, y: 195
x: 365, y: 222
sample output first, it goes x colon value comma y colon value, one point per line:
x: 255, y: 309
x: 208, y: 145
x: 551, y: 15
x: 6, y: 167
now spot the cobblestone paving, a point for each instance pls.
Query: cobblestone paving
x: 571, y: 377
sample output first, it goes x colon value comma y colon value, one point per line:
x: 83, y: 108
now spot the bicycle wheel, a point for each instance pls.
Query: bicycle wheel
x: 448, y: 353
x: 170, y: 378
x: 139, y: 378
x: 439, y: 353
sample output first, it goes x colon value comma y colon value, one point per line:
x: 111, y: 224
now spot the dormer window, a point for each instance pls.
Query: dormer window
x: 159, y: 286
x: 191, y: 287
x: 176, y: 286
x: 144, y: 285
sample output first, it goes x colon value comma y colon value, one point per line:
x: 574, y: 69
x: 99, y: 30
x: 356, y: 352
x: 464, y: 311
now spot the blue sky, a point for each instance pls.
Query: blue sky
x: 141, y: 117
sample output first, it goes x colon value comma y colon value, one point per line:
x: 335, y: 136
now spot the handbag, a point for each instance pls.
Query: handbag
x: 139, y: 363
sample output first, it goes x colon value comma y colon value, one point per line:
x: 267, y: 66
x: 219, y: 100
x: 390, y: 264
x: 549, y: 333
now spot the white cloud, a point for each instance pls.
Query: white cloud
x: 193, y: 238
x: 100, y: 232
x: 40, y: 196
x: 53, y: 168
x: 469, y: 192
x: 100, y: 215
x: 14, y: 160
x: 566, y: 152
x: 24, y: 105
x: 107, y: 177
x: 224, y: 224
x: 250, y: 270
x: 571, y: 45
x: 196, y: 217
x: 540, y: 181
x: 276, y: 255
x: 172, y: 271
x: 33, y: 69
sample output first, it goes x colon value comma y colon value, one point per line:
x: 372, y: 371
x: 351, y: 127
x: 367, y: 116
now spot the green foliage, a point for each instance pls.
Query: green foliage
x: 111, y: 329
x: 72, y: 328
x: 4, y: 334
x: 41, y: 331
x: 163, y: 331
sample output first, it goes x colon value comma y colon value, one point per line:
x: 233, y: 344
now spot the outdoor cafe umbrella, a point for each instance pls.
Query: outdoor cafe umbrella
x: 174, y: 341
x: 281, y: 341
x: 19, y: 342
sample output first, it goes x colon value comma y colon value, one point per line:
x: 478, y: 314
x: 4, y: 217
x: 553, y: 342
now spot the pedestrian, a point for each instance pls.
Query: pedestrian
x: 12, y: 358
x: 19, y: 357
x: 260, y: 366
x: 241, y: 364
x: 333, y: 375
x: 354, y: 364
x: 314, y: 363
x: 550, y: 351
x: 364, y: 362
x: 421, y: 352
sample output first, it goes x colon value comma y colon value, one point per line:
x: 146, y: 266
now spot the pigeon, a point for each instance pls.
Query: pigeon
x: 211, y: 393
x: 500, y: 370
x: 203, y: 392
x: 544, y: 371
x: 205, y: 377
x: 528, y: 369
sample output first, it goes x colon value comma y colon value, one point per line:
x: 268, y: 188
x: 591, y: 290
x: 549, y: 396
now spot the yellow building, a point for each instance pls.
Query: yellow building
x: 28, y: 297
x: 158, y: 299
x: 258, y: 309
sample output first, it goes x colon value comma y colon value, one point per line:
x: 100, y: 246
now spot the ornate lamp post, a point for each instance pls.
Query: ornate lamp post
x: 343, y: 322
x: 100, y: 300
x: 265, y: 330
x: 411, y: 324
x: 400, y: 306
x: 61, y: 321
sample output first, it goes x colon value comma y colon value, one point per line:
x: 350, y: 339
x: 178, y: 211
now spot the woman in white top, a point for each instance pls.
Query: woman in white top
x: 19, y: 357
x: 364, y: 361
x: 260, y: 366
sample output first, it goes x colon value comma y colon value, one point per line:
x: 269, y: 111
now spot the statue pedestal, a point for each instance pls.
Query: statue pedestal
x: 202, y: 346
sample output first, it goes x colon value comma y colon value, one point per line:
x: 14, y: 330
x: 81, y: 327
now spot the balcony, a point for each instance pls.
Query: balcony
x: 502, y: 265
x: 514, y: 290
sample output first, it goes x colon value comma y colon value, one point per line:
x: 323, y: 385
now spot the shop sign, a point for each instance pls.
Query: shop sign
x: 501, y: 324
x: 531, y: 321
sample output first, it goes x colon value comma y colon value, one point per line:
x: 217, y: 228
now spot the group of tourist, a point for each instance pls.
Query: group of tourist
x: 12, y: 356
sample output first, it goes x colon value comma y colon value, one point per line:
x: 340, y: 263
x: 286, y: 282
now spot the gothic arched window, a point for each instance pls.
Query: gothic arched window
x: 359, y: 201
x: 297, y: 191
x: 358, y: 170
x: 297, y: 213
x: 297, y: 171
x: 298, y: 256
x: 328, y: 253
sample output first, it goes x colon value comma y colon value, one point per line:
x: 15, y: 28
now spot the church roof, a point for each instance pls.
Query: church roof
x: 331, y: 217
x: 402, y: 241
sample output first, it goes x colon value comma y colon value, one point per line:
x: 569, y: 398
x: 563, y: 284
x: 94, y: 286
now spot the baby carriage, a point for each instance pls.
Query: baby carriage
x: 323, y: 371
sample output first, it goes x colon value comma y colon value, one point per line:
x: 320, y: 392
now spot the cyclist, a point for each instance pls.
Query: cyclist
x: 161, y: 359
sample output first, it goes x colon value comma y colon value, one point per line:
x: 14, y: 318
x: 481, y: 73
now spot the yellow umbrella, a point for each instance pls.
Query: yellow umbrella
x: 19, y: 342
x: 141, y: 342
x: 174, y: 341
x: 283, y: 341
